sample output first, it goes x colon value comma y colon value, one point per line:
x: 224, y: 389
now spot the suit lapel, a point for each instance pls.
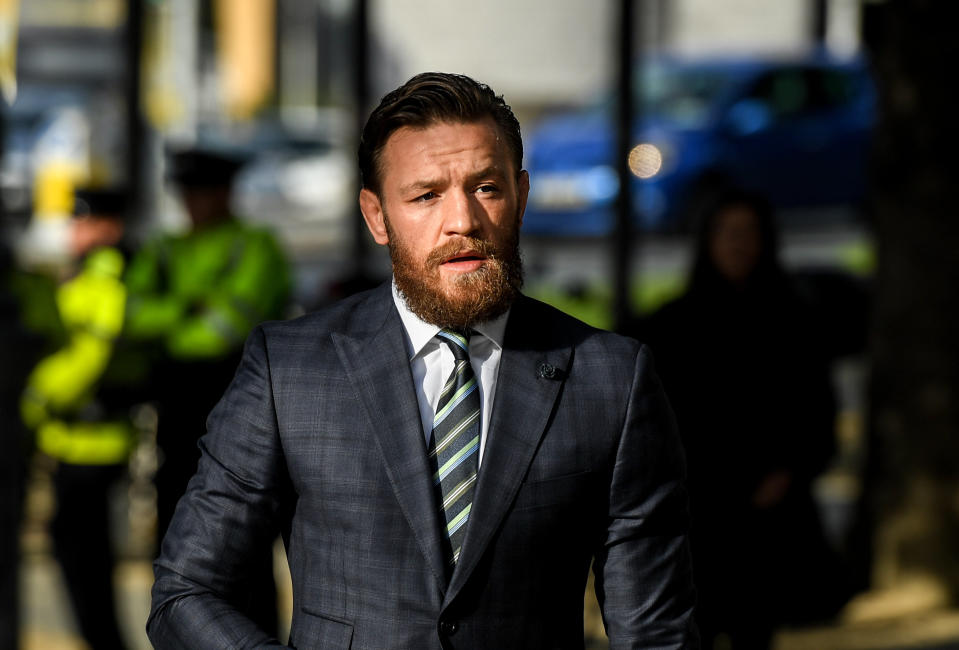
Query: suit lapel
x: 375, y: 357
x: 526, y: 392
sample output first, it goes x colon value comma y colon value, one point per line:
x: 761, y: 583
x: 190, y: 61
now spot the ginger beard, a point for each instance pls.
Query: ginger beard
x: 474, y: 297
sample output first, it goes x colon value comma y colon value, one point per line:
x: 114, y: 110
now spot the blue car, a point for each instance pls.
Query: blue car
x: 796, y: 130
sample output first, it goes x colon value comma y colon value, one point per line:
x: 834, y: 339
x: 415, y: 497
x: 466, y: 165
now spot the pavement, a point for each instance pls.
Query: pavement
x: 47, y: 620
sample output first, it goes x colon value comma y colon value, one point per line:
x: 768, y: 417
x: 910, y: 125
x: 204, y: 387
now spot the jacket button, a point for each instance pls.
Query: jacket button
x: 448, y: 628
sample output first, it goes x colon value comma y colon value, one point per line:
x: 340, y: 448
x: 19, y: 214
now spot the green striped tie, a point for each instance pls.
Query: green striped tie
x: 454, y: 443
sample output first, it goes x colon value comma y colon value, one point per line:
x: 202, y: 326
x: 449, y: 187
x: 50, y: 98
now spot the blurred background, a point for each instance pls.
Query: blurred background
x: 645, y: 122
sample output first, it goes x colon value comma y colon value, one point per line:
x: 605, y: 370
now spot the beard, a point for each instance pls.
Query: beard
x: 474, y: 297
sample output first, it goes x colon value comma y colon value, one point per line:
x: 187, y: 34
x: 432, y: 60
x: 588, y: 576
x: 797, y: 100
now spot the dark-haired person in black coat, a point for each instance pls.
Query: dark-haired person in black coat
x: 751, y: 391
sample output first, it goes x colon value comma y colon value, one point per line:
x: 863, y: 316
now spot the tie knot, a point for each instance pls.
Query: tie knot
x: 457, y: 340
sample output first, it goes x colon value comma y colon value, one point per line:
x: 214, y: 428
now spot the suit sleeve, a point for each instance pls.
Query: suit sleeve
x: 228, y: 516
x: 643, y: 572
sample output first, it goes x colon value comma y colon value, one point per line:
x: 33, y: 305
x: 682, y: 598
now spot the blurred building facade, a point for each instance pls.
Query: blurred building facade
x: 216, y: 63
x: 104, y: 87
x: 544, y: 52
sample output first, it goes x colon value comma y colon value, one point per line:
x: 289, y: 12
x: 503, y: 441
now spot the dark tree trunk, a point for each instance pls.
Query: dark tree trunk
x: 913, y: 478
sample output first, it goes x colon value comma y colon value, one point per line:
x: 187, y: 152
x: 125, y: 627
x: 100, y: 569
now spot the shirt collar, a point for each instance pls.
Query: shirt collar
x: 420, y: 332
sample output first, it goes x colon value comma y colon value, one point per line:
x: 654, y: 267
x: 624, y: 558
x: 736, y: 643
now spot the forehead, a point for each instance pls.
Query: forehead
x: 444, y: 144
x: 737, y: 215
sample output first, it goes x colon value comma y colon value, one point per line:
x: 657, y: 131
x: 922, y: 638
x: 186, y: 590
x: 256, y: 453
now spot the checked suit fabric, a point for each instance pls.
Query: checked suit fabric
x: 454, y: 443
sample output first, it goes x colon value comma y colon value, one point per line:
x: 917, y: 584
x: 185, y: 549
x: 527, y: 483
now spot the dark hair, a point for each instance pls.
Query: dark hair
x: 430, y: 98
x: 768, y: 271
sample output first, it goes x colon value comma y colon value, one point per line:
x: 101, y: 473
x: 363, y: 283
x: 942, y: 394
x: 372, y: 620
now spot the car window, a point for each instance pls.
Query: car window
x: 834, y: 87
x: 685, y: 96
x: 784, y: 92
x: 794, y: 92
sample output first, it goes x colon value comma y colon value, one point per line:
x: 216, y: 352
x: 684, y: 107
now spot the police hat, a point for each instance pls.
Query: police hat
x: 99, y: 202
x: 203, y: 168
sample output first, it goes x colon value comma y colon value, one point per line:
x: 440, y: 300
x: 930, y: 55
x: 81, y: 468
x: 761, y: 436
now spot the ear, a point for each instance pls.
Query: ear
x: 372, y: 210
x: 522, y: 186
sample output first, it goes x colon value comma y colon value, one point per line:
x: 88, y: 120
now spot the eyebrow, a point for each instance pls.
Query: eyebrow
x: 491, y: 170
x: 417, y: 186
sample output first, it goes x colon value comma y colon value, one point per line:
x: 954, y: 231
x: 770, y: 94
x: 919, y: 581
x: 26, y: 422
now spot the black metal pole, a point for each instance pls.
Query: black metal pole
x: 819, y: 21
x: 622, y: 234
x: 135, y: 125
x: 361, y: 97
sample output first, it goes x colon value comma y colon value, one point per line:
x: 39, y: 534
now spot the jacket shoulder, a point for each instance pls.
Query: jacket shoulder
x: 361, y: 312
x: 556, y: 327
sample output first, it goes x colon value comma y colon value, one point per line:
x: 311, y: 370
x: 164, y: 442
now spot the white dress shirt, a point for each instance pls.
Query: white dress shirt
x: 432, y: 362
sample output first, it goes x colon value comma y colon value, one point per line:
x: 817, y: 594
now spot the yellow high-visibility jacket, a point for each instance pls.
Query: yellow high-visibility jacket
x: 201, y: 293
x: 59, y: 402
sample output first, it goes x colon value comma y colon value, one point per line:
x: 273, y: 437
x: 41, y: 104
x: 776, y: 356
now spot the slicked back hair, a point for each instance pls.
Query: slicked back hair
x: 433, y: 98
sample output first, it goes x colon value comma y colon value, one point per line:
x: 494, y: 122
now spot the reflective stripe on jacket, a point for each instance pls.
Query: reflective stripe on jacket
x: 59, y: 399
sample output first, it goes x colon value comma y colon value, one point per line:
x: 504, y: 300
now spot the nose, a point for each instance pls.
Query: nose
x: 462, y: 214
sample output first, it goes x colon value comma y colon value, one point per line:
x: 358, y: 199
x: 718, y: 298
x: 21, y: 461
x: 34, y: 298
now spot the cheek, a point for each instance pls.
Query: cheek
x: 753, y: 246
x: 717, y: 251
x: 406, y: 232
x: 504, y: 226
x: 413, y: 251
x: 506, y: 215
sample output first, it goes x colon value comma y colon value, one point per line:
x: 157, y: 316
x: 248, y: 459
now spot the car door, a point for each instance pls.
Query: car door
x: 797, y: 152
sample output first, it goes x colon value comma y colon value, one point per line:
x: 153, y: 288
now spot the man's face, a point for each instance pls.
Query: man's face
x: 449, y: 208
x: 206, y: 205
x: 90, y: 231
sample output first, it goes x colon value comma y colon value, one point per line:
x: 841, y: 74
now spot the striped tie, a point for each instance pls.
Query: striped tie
x: 454, y: 443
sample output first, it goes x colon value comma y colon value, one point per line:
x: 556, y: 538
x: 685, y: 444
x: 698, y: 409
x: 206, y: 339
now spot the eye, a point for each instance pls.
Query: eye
x: 427, y: 196
x: 487, y: 188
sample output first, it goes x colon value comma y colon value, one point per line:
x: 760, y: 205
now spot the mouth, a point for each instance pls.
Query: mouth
x: 464, y: 261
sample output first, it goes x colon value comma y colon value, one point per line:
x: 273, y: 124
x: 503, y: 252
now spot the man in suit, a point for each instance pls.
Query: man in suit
x: 444, y: 457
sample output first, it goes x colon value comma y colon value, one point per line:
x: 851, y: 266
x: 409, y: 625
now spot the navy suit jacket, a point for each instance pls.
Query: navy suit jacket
x: 319, y: 438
